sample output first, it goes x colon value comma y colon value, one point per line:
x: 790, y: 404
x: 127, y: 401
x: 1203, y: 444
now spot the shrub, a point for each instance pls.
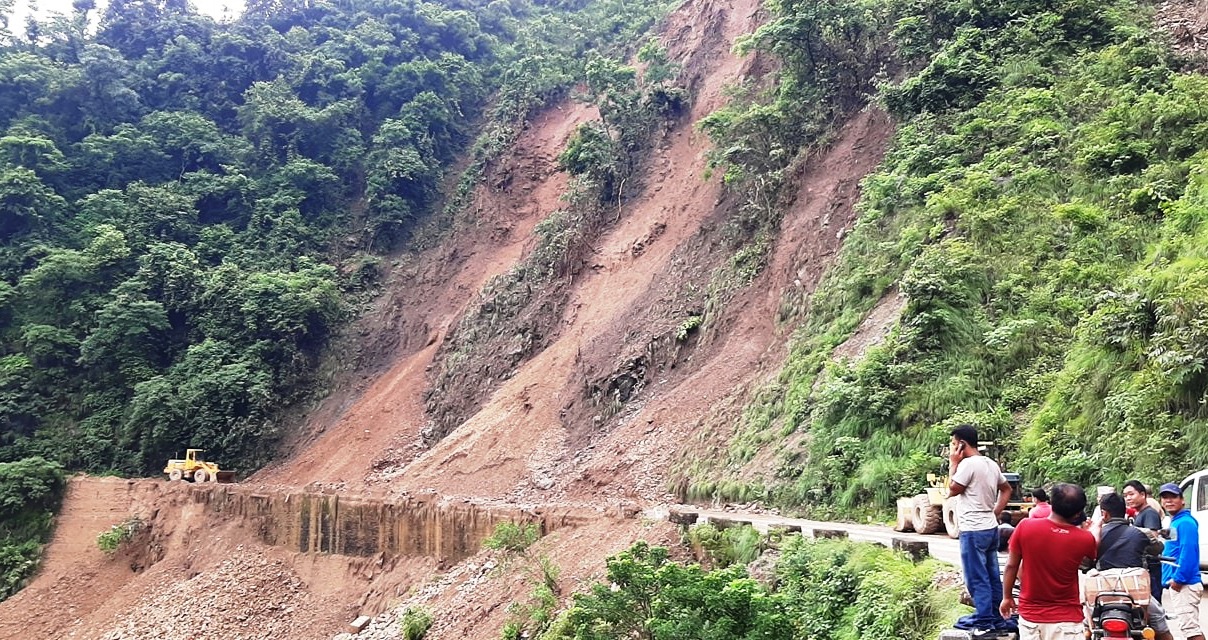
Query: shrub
x: 646, y: 595
x: 415, y: 623
x: 512, y: 537
x: 729, y: 546
x: 842, y: 589
x: 17, y: 562
x: 827, y: 589
x: 115, y: 536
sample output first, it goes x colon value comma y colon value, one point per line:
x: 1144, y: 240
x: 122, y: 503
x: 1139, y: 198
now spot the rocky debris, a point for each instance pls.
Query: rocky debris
x: 1187, y: 24
x: 460, y: 584
x: 763, y: 568
x: 356, y: 626
x: 248, y: 596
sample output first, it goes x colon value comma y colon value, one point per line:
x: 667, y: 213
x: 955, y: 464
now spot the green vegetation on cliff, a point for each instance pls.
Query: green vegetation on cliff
x: 1041, y: 211
x: 30, y: 491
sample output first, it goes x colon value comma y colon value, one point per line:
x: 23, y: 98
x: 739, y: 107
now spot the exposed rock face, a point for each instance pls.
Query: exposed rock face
x: 251, y: 561
x: 316, y: 522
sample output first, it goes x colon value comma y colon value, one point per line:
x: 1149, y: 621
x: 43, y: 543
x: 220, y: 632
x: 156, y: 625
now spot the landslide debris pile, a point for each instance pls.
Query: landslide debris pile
x: 248, y: 596
x: 1187, y: 25
x: 458, y: 585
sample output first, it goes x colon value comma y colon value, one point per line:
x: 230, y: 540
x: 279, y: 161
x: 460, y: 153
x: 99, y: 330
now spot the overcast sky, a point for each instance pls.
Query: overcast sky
x: 212, y: 8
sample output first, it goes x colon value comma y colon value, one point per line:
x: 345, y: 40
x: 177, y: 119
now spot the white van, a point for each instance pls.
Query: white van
x: 1195, y: 498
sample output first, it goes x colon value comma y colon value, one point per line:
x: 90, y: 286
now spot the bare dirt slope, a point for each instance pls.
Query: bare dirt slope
x: 425, y: 296
x: 534, y: 438
x: 187, y: 574
x: 539, y: 438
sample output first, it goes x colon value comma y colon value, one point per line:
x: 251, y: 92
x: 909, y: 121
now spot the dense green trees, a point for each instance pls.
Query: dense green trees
x: 30, y: 491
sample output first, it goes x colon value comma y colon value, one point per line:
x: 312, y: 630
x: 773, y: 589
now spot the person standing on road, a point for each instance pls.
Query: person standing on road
x: 1149, y: 521
x: 1041, y: 502
x: 1050, y: 550
x: 981, y: 493
x: 1006, y: 526
x: 1182, y: 579
x: 1125, y: 547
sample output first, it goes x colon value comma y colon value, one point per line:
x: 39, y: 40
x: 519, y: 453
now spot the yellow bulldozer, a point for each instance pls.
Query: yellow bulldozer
x: 194, y: 468
x: 933, y: 511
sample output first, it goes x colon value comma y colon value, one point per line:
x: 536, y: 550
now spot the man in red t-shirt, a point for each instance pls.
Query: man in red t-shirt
x: 1051, y: 550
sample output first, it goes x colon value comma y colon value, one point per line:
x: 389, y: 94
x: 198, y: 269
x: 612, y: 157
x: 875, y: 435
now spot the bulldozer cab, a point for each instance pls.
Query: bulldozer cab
x: 195, y: 455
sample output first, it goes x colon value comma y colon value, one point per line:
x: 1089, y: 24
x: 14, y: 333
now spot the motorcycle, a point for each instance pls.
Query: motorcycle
x: 1119, y: 615
x: 1119, y: 604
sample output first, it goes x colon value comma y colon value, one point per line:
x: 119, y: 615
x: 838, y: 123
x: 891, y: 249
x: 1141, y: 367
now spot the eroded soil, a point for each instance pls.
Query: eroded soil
x: 541, y: 436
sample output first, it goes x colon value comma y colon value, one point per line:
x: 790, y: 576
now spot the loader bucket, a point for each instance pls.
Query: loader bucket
x: 226, y: 476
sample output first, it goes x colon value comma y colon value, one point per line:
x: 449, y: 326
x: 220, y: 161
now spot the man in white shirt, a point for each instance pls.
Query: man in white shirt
x: 982, y: 493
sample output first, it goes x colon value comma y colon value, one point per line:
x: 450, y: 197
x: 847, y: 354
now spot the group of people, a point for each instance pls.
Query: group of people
x: 1048, y: 549
x: 1006, y: 522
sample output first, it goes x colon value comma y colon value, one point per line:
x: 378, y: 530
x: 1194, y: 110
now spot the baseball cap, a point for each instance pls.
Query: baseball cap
x: 1170, y: 487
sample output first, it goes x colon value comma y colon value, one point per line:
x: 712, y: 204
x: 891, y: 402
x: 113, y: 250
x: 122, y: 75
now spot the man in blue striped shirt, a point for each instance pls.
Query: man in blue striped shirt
x: 1182, y: 579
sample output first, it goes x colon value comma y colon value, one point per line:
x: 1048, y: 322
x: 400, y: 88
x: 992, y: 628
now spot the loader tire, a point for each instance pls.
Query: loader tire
x: 905, y: 515
x: 928, y: 518
x: 951, y: 526
x: 175, y: 475
x: 200, y: 475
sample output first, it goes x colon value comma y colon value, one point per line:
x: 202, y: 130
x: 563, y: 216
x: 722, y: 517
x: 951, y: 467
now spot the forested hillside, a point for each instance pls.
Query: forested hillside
x: 1038, y: 222
x: 190, y: 209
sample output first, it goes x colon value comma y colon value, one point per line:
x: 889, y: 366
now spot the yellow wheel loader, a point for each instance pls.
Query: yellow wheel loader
x: 194, y: 468
x: 934, y: 512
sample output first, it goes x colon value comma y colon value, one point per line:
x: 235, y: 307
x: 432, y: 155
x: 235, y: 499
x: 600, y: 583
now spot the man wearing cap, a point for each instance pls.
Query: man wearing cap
x: 1182, y: 579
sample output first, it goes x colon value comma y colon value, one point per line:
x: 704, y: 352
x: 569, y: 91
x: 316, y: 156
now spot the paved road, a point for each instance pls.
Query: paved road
x: 941, y: 547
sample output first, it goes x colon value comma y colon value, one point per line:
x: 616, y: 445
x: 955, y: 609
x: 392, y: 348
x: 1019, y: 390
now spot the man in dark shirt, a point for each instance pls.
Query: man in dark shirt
x: 1149, y: 521
x: 1006, y: 527
x: 1125, y: 547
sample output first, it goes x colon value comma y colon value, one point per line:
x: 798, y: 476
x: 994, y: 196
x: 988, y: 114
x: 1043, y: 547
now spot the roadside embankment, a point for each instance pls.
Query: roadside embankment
x: 246, y: 561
